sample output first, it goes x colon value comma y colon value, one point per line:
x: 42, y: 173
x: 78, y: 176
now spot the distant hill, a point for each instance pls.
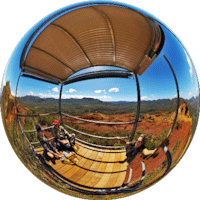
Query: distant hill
x: 90, y: 105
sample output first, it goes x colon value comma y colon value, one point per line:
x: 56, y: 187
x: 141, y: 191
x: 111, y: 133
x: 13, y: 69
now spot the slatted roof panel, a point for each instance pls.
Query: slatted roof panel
x: 94, y: 36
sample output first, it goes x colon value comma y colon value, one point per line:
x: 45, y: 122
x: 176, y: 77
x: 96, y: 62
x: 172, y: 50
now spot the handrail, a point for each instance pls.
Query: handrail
x: 39, y: 141
x: 100, y: 146
x: 24, y: 133
x: 95, y: 136
x: 98, y: 122
x: 29, y: 131
x: 37, y: 115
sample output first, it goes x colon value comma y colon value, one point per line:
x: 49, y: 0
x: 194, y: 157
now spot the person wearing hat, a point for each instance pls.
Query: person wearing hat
x: 133, y: 148
x: 62, y: 138
x: 50, y: 152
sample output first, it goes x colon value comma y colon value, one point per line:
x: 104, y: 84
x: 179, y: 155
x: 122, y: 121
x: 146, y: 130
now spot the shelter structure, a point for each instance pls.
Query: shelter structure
x: 83, y: 37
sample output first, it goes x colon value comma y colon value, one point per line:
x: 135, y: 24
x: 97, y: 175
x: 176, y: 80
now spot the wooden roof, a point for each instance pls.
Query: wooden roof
x: 93, y: 36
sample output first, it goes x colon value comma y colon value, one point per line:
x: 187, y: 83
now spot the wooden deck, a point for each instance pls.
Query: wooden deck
x: 96, y: 169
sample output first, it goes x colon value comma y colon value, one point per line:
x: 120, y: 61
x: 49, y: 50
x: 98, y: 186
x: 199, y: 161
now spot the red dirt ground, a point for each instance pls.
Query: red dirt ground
x: 150, y: 123
x: 154, y: 163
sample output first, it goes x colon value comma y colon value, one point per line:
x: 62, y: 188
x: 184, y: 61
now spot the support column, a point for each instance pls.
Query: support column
x: 16, y: 92
x: 178, y: 95
x: 138, y: 108
x: 60, y: 98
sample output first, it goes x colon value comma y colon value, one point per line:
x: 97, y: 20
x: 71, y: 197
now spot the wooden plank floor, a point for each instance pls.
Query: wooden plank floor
x: 97, y: 168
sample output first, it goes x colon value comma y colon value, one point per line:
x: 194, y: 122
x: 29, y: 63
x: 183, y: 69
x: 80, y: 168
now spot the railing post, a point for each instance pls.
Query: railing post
x: 178, y: 95
x: 60, y: 99
x: 138, y: 108
x: 16, y: 91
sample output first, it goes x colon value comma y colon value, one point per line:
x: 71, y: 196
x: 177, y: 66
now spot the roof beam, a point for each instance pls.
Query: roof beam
x: 52, y: 57
x: 41, y: 74
x: 111, y: 30
x: 75, y: 41
x: 40, y: 79
x: 99, y: 74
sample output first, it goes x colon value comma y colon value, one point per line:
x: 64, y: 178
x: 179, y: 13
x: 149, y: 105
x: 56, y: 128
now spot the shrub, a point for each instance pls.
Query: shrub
x: 177, y: 125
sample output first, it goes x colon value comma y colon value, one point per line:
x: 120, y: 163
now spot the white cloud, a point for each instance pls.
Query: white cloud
x: 100, y: 91
x: 190, y: 65
x: 71, y: 96
x: 13, y: 93
x: 144, y: 98
x: 31, y: 93
x: 55, y: 89
x: 114, y: 90
x: 105, y: 97
x: 41, y: 95
x: 71, y: 90
x: 65, y: 96
x: 190, y: 94
x: 4, y: 80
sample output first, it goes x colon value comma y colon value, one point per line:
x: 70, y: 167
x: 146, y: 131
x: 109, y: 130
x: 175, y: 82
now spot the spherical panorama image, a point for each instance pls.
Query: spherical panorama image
x: 100, y: 100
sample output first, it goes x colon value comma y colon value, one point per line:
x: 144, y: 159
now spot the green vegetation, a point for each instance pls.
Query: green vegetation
x: 175, y: 148
x: 177, y: 125
x: 152, y: 175
x: 155, y: 142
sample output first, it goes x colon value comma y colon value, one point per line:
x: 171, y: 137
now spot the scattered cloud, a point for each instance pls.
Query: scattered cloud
x: 114, y: 90
x: 190, y: 65
x: 71, y: 96
x: 144, y: 98
x: 71, y: 90
x: 31, y: 93
x: 191, y: 75
x: 13, y: 93
x: 97, y: 91
x: 4, y: 79
x: 55, y: 89
x: 100, y: 91
x: 190, y: 94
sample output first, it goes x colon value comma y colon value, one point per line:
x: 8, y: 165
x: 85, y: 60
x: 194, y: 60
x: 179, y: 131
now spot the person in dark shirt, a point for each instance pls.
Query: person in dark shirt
x: 133, y: 148
x: 62, y: 138
x: 50, y: 152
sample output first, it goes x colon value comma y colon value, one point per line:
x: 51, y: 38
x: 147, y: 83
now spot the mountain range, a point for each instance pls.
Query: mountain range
x: 90, y: 105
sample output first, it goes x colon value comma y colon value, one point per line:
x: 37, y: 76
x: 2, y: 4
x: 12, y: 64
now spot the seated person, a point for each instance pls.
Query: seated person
x: 62, y: 138
x: 50, y: 152
x: 133, y: 148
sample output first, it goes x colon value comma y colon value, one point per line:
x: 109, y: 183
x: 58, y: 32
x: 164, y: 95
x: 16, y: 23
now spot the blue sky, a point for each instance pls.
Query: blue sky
x: 157, y: 82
